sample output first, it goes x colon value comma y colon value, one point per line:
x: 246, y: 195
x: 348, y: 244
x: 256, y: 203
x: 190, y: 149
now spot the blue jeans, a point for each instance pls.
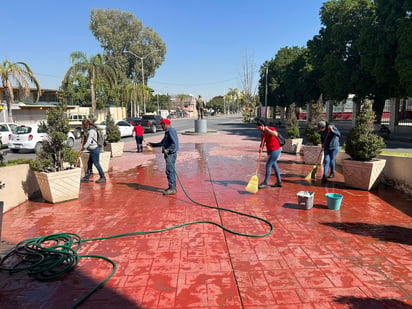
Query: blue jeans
x: 329, y: 160
x: 171, y: 170
x: 94, y: 158
x: 272, y: 162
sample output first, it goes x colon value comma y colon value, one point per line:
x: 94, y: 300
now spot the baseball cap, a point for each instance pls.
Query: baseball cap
x: 165, y: 121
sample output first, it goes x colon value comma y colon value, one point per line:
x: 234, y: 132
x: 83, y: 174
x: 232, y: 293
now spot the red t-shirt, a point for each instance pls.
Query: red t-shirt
x: 271, y: 141
x: 139, y: 130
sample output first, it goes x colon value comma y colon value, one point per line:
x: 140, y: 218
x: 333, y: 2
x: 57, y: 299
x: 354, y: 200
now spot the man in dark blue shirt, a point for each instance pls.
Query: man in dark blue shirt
x: 170, y: 146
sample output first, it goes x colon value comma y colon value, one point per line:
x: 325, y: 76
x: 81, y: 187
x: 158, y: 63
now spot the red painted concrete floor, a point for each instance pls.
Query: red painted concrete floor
x: 357, y: 257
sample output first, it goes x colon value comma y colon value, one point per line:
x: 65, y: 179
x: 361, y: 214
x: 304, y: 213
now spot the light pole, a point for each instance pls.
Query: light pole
x: 141, y: 59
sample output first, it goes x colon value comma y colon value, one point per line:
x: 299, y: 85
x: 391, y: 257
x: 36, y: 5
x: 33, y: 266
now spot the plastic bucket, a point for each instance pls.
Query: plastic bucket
x: 334, y: 200
x: 305, y: 199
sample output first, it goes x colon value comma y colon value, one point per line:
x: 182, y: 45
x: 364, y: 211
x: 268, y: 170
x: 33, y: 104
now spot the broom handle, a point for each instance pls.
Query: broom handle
x: 260, y: 154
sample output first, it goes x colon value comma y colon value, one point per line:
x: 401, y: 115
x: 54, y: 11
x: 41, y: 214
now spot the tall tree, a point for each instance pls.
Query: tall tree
x: 119, y: 31
x: 94, y: 67
x: 21, y: 75
x: 335, y: 50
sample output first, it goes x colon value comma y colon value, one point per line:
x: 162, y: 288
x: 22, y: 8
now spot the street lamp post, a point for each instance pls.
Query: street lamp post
x: 141, y: 59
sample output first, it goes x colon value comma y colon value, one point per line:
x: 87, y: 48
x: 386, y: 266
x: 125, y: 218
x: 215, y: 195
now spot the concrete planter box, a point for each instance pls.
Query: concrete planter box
x: 364, y: 175
x: 60, y: 186
x: 104, y: 161
x: 312, y: 154
x: 20, y: 185
x: 116, y: 149
x: 292, y: 145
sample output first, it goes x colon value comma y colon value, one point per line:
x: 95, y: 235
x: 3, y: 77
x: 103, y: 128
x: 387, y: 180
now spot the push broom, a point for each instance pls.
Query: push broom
x: 312, y: 173
x: 253, y: 183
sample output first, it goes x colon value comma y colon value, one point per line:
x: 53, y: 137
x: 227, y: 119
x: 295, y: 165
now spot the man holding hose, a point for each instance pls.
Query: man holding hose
x: 170, y: 146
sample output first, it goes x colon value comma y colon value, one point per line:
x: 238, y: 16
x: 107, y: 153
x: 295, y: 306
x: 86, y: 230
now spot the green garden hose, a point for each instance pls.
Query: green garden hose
x: 52, y: 256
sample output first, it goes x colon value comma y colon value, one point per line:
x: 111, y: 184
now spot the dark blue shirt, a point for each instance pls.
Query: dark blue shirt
x: 332, y: 138
x: 170, y: 141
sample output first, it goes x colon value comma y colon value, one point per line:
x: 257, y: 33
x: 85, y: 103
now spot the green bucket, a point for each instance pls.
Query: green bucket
x: 334, y: 200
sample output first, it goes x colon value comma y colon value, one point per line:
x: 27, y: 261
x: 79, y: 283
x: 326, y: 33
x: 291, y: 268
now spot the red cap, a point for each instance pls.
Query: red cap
x: 165, y: 121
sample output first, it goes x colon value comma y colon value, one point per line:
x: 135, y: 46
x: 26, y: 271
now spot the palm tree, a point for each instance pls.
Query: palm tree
x: 20, y: 74
x: 93, y: 67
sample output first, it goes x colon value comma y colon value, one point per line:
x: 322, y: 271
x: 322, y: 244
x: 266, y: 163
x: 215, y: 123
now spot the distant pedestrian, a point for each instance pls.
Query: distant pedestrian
x: 170, y: 146
x: 94, y: 152
x: 330, y: 136
x: 139, y: 133
x: 269, y: 138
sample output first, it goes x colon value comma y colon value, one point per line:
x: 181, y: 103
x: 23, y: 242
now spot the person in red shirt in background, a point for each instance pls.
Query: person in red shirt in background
x: 139, y: 133
x: 270, y: 140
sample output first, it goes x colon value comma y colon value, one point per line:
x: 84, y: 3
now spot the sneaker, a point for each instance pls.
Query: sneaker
x: 324, y: 179
x: 332, y: 175
x: 278, y: 184
x: 101, y: 180
x: 262, y: 186
x: 84, y: 180
x: 169, y: 192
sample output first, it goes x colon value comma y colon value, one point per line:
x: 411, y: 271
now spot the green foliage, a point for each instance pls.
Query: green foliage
x: 55, y: 151
x: 362, y: 144
x: 17, y: 162
x: 118, y: 31
x: 311, y: 130
x: 292, y: 124
x: 112, y: 130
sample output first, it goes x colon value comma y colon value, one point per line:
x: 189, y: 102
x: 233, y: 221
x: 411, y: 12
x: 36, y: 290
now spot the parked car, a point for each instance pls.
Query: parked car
x: 6, y: 129
x: 133, y: 120
x: 151, y: 123
x: 30, y: 137
x: 126, y: 129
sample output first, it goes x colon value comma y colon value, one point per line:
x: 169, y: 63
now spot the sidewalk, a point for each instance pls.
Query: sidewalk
x: 357, y: 257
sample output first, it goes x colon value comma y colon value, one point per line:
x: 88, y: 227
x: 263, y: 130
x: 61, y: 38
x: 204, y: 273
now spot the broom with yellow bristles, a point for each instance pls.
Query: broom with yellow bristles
x: 253, y: 183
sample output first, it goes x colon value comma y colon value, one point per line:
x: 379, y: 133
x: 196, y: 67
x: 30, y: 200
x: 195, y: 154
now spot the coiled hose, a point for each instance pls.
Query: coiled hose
x: 52, y: 256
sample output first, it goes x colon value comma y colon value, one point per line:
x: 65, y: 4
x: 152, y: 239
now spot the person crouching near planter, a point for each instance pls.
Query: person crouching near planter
x: 270, y: 139
x: 94, y: 150
x: 330, y: 137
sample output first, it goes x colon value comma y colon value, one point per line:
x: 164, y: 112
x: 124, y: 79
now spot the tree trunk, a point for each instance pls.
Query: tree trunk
x: 378, y: 106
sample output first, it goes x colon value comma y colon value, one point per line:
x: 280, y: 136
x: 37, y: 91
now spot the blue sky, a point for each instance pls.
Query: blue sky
x: 206, y: 40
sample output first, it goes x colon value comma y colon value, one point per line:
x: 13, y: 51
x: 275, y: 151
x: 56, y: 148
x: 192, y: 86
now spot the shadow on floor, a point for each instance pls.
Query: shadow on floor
x: 398, y: 234
x: 371, y: 303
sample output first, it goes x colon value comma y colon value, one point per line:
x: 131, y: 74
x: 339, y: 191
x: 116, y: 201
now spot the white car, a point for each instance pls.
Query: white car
x: 126, y: 129
x: 6, y: 129
x: 30, y: 137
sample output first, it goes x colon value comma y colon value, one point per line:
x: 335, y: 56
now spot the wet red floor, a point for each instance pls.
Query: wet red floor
x: 357, y: 257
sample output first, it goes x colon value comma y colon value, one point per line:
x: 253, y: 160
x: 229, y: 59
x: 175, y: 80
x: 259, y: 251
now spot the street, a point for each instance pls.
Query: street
x: 220, y: 123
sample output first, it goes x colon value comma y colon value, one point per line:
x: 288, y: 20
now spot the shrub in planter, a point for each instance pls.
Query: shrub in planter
x: 293, y: 142
x: 362, y: 144
x: 112, y: 130
x: 55, y: 152
x: 113, y: 136
x: 311, y: 132
x: 312, y: 151
x: 54, y: 168
x: 292, y: 125
x: 363, y: 171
